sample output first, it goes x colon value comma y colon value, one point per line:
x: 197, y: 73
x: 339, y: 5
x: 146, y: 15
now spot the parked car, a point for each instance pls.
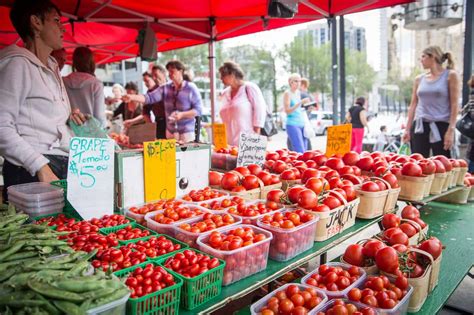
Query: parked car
x: 320, y: 120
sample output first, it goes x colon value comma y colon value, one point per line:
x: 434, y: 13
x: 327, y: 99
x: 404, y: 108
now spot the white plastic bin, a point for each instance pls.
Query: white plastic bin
x: 117, y: 307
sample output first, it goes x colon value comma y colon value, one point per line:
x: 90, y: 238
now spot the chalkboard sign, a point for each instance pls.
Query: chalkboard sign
x: 90, y: 178
x: 252, y: 149
x: 339, y: 139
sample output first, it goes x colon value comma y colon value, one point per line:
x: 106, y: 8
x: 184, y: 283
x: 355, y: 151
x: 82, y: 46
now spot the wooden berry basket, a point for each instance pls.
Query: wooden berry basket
x: 413, y: 187
x: 438, y: 183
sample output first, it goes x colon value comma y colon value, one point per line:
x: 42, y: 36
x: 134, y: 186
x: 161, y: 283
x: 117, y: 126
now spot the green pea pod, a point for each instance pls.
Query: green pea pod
x: 110, y: 298
x: 86, y: 305
x: 5, y: 289
x: 52, y: 242
x: 77, y: 270
x: 12, y: 250
x: 80, y: 286
x: 48, y: 275
x: 13, y: 218
x: 98, y: 294
x: 20, y: 280
x: 21, y: 303
x: 52, y: 266
x: 21, y: 255
x: 49, y: 307
x: 9, y: 273
x: 69, y: 308
x: 17, y: 295
x: 88, y: 256
x: 52, y: 292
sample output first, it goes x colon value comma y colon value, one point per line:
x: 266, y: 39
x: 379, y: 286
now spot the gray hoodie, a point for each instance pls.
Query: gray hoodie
x: 34, y: 109
x: 86, y: 92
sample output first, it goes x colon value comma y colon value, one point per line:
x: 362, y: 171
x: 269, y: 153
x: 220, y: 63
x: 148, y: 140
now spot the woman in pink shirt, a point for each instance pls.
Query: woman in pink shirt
x: 243, y: 106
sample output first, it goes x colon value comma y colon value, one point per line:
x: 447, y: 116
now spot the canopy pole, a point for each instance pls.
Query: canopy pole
x: 468, y: 51
x: 212, y: 73
x: 342, y: 64
x: 335, y: 103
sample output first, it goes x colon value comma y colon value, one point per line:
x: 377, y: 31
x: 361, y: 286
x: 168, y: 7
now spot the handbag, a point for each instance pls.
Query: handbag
x: 465, y: 124
x: 308, y: 130
x: 269, y: 127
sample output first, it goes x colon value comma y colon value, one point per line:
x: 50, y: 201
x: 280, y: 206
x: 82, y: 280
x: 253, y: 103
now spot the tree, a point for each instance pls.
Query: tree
x: 361, y: 72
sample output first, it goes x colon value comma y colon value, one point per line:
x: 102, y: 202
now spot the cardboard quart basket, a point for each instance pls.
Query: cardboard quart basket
x: 454, y: 177
x: 471, y: 194
x: 335, y: 221
x: 413, y: 187
x: 287, y: 184
x: 372, y: 204
x: 419, y: 236
x: 461, y: 174
x: 392, y: 199
x: 370, y: 270
x: 438, y: 183
x: 428, y: 187
x: 458, y: 197
x: 448, y: 181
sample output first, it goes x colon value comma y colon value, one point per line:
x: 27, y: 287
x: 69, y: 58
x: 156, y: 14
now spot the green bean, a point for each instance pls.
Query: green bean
x: 12, y: 250
x: 80, y: 286
x: 21, y: 255
x: 23, y: 262
x: 5, y: 289
x: 17, y: 295
x: 78, y: 269
x: 13, y: 218
x: 98, y: 293
x: 50, y: 308
x: 10, y: 272
x: 20, y: 303
x: 20, y: 280
x: 69, y: 308
x: 48, y: 275
x: 52, y: 292
x: 53, y: 266
x: 52, y: 242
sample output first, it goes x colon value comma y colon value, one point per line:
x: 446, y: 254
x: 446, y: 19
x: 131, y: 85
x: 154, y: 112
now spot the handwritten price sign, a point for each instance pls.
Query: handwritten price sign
x: 252, y: 149
x: 159, y: 166
x: 220, y: 136
x: 90, y: 176
x: 339, y: 139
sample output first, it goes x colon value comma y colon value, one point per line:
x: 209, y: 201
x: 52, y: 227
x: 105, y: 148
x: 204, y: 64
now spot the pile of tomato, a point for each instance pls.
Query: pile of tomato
x: 177, y: 213
x: 155, y: 246
x: 222, y: 204
x: 291, y: 300
x: 288, y: 219
x: 117, y: 258
x: 129, y: 233
x: 191, y: 264
x: 91, y: 241
x: 253, y: 210
x: 334, y: 278
x: 143, y: 281
x: 379, y: 292
x: 109, y: 220
x: 235, y: 239
x: 209, y: 222
x: 202, y: 194
x: 60, y: 220
x: 341, y: 307
x: 154, y: 206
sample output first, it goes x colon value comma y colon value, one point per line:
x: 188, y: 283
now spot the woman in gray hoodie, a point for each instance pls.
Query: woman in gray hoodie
x: 34, y: 111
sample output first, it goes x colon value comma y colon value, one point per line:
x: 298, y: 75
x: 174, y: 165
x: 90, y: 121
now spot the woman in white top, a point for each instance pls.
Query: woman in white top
x: 243, y: 106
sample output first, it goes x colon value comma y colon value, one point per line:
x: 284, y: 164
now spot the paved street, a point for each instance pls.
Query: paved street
x: 279, y: 141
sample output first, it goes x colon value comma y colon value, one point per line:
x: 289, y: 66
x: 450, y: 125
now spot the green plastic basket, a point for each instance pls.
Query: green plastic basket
x: 68, y: 208
x: 132, y: 220
x: 54, y: 215
x: 114, y: 229
x: 202, y: 288
x: 165, y: 301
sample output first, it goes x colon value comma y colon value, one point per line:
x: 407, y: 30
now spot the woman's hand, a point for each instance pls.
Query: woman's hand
x: 127, y: 123
x: 126, y: 98
x: 78, y: 117
x: 46, y: 175
x: 406, y: 137
x: 449, y: 139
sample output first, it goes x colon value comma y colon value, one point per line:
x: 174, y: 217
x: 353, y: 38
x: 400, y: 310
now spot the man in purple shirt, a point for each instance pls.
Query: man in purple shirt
x: 182, y: 102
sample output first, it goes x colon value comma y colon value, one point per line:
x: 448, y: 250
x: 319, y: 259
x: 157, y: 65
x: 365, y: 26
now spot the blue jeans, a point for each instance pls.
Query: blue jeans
x: 297, y: 139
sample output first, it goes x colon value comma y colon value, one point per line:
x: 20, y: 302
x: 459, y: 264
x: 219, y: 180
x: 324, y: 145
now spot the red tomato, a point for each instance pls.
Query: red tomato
x: 371, y: 247
x: 410, y: 212
x: 215, y: 178
x: 353, y: 255
x: 386, y: 259
x: 411, y: 169
x: 307, y: 199
x: 229, y: 181
x: 390, y: 220
x: 370, y: 186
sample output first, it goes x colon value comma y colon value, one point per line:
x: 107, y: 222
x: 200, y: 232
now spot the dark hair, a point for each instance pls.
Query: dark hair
x: 360, y: 101
x: 146, y: 74
x: 232, y: 68
x: 383, y: 127
x: 21, y: 12
x: 159, y: 68
x: 178, y: 65
x: 131, y: 86
x: 83, y: 60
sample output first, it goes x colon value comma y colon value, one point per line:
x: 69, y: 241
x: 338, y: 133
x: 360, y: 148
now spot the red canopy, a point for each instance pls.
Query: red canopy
x: 110, y: 27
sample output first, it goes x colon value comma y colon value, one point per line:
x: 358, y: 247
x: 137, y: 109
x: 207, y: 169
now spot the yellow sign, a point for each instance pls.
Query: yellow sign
x: 159, y: 166
x: 220, y: 136
x: 339, y: 139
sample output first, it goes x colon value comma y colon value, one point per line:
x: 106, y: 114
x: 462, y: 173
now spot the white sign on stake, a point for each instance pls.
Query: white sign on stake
x: 252, y: 149
x: 90, y: 176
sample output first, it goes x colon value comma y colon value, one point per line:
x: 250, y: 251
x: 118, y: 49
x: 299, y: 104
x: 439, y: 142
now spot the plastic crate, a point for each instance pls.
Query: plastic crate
x: 330, y: 304
x: 242, y: 262
x: 114, y: 229
x: 400, y: 309
x: 167, y: 229
x: 257, y: 306
x: 339, y: 294
x: 34, y: 212
x: 165, y: 301
x: 253, y: 220
x: 189, y: 237
x: 202, y: 288
x: 117, y: 307
x: 288, y: 243
x: 158, y: 258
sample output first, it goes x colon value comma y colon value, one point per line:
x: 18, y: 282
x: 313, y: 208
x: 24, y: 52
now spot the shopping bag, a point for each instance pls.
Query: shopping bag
x: 404, y: 149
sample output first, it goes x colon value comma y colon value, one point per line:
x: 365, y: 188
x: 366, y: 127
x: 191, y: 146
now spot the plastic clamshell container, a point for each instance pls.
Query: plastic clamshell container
x: 253, y: 220
x: 220, y: 199
x: 257, y: 306
x: 338, y: 294
x: 168, y: 229
x: 223, y: 194
x: 35, y: 204
x: 34, y: 212
x: 330, y: 304
x: 400, y: 309
x: 241, y: 262
x: 117, y: 307
x: 189, y: 237
x: 288, y: 243
x: 140, y: 218
x: 35, y: 192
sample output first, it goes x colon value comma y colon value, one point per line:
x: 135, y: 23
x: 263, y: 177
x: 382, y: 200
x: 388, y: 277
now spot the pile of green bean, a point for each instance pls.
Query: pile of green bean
x: 36, y: 277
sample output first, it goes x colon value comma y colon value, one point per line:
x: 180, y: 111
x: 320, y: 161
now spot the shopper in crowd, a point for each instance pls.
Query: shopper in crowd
x: 34, y: 111
x: 85, y: 91
x: 182, y: 102
x: 382, y: 139
x: 129, y: 108
x: 304, y: 85
x: 357, y: 116
x: 295, y: 120
x: 60, y: 56
x: 434, y: 105
x: 243, y: 106
x: 158, y: 72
